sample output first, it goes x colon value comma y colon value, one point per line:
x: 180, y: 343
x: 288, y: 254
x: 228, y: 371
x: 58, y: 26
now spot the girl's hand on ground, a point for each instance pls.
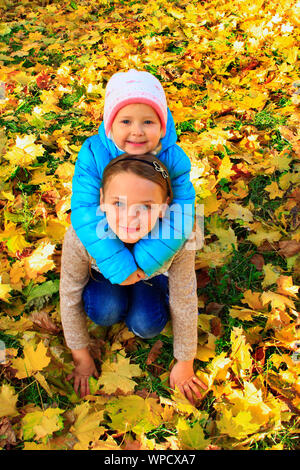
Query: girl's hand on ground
x: 182, y: 375
x: 136, y: 276
x: 84, y: 369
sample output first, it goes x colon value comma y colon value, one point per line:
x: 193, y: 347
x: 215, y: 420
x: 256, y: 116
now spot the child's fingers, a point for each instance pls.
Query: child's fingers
x: 195, y: 389
x: 172, y: 384
x: 198, y: 381
x: 188, y: 393
x: 76, y: 384
x: 84, y: 387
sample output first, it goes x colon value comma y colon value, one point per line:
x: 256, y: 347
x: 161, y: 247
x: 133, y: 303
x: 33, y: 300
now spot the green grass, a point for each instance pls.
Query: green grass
x: 266, y: 119
x: 151, y: 382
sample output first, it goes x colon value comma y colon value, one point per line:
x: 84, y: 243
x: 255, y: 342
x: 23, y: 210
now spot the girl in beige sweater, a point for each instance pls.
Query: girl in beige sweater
x: 136, y: 191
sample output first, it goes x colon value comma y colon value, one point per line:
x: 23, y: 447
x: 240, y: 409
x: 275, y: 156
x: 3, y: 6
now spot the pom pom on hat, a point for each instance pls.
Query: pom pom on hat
x: 130, y: 87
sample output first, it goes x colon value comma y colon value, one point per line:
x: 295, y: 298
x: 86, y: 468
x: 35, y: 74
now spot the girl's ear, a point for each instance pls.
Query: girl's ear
x: 102, y: 205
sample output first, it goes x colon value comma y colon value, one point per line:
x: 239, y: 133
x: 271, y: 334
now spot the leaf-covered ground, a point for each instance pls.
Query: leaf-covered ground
x: 230, y: 72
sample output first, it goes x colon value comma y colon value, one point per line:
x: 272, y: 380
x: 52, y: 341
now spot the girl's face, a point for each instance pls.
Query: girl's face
x: 136, y: 129
x: 132, y: 205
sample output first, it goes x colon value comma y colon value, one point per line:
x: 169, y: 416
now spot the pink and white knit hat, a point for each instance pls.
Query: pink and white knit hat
x: 130, y: 87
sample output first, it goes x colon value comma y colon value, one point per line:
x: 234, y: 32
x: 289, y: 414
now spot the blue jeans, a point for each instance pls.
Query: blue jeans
x: 143, y: 306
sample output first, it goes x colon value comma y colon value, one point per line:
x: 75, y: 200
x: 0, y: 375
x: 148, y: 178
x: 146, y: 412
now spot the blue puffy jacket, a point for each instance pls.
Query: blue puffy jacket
x: 115, y: 261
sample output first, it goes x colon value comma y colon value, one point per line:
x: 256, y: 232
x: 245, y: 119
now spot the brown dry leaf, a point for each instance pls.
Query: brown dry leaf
x: 202, y: 278
x: 291, y: 137
x: 7, y: 434
x: 289, y: 248
x: 258, y: 261
x: 214, y: 308
x: 154, y: 352
x: 43, y: 321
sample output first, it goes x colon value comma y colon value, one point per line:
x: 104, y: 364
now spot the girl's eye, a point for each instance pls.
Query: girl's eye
x: 144, y: 207
x: 148, y: 121
x: 125, y: 121
x: 119, y: 204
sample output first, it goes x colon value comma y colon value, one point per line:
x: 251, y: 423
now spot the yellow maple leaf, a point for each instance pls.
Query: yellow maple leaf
x: 211, y: 256
x: 271, y: 275
x: 262, y: 235
x: 43, y: 382
x: 108, y: 444
x: 35, y: 446
x: 247, y: 410
x: 34, y: 360
x: 14, y: 237
x: 133, y: 413
x: 206, y: 351
x: 252, y: 299
x: 274, y: 190
x: 39, y: 424
x: 244, y: 314
x: 225, y: 168
x: 286, y: 287
x: 118, y: 374
x: 62, y: 207
x: 240, y: 352
x: 255, y: 100
x: 13, y: 327
x: 191, y: 437
x: 25, y: 151
x: 38, y: 262
x: 239, y: 426
x: 211, y: 204
x: 8, y: 401
x: 55, y: 229
x: 4, y: 292
x: 216, y: 140
x: 17, y: 272
x: 226, y: 237
x: 277, y: 300
x: 288, y: 336
x: 237, y: 211
x: 86, y: 426
x: 65, y: 171
x: 280, y: 161
x: 50, y: 102
x: 218, y: 367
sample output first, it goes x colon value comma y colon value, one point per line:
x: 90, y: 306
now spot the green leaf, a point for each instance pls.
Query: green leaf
x: 191, y: 437
x: 48, y: 288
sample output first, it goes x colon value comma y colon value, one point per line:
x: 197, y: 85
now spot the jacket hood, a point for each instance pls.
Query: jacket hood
x: 167, y: 141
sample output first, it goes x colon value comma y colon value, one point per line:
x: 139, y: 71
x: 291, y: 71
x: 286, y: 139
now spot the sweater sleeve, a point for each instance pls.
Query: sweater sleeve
x: 114, y: 260
x: 170, y: 232
x: 184, y: 304
x: 73, y: 278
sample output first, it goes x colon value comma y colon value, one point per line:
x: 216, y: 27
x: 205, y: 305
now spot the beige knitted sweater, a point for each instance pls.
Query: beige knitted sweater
x: 182, y: 296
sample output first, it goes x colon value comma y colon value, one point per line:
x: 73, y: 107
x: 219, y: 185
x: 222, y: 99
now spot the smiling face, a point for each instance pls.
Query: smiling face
x: 136, y: 129
x: 132, y: 205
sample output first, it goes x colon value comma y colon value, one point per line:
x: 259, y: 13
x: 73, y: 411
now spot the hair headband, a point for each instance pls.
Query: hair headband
x: 154, y: 164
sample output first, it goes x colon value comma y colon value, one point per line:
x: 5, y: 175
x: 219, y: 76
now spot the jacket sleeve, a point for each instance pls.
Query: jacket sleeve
x: 170, y: 233
x: 114, y: 260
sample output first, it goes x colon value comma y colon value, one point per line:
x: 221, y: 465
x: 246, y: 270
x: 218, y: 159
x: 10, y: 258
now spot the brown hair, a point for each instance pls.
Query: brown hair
x: 147, y: 166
